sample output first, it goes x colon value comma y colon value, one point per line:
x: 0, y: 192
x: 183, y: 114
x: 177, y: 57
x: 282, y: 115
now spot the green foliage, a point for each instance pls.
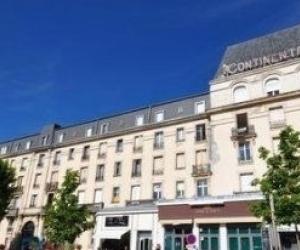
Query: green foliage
x: 7, y: 186
x: 282, y: 179
x: 65, y: 219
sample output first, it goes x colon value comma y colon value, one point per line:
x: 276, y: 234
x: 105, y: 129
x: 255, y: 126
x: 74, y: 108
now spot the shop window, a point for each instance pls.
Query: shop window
x: 210, y: 238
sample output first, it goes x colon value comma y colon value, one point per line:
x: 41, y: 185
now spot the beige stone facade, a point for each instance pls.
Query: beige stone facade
x: 172, y: 161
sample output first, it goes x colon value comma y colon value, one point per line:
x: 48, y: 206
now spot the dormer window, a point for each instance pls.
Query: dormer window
x: 272, y: 87
x: 3, y: 150
x: 200, y: 107
x: 44, y: 140
x: 61, y: 137
x: 104, y: 128
x: 89, y: 132
x: 139, y: 120
x: 240, y: 94
x: 28, y: 145
x: 159, y: 116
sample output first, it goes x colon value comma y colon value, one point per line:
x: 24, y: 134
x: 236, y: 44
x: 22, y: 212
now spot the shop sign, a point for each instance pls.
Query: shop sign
x: 116, y: 221
x: 260, y: 62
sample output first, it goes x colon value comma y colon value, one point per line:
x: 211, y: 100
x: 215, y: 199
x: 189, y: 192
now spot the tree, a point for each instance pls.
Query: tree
x: 281, y: 181
x: 65, y: 219
x: 7, y: 186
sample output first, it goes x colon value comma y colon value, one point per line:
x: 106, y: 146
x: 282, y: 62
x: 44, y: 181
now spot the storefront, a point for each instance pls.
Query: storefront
x: 219, y: 224
x: 133, y: 227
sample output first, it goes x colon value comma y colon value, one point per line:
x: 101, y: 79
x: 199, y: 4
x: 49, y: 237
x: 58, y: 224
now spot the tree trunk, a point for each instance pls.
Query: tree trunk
x: 297, y: 236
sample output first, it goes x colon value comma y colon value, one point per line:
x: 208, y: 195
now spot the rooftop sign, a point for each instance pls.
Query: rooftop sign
x: 260, y: 62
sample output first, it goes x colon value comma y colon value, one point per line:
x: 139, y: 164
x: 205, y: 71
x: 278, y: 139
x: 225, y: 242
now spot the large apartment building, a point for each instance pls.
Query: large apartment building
x: 157, y: 174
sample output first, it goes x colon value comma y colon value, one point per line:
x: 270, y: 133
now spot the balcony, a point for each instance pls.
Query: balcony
x: 139, y: 202
x: 56, y: 162
x: 19, y: 189
x: 101, y: 155
x: 99, y: 178
x: 138, y: 149
x: 201, y: 170
x: 157, y: 145
x: 158, y: 172
x: 277, y: 124
x: 136, y: 174
x: 85, y: 157
x: 95, y: 207
x: 40, y: 164
x: 51, y: 187
x: 243, y: 133
x: 115, y: 200
x: 12, y: 212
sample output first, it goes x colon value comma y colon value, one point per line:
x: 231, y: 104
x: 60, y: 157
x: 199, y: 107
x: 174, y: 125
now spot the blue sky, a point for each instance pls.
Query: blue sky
x: 66, y: 61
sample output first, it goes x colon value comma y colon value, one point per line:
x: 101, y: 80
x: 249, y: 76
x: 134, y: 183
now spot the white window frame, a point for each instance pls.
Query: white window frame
x: 203, y: 186
x: 139, y: 120
x: 28, y: 145
x: 104, y: 128
x: 61, y: 137
x: 88, y: 132
x: 3, y: 150
x: 238, y: 100
x: 157, y: 114
x: 272, y: 90
x: 246, y: 159
x: 180, y: 193
x: 196, y: 107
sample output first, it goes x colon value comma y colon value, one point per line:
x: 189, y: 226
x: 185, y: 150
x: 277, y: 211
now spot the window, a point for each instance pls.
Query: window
x: 119, y: 146
x: 41, y: 160
x: 277, y: 117
x: 100, y: 172
x: 116, y: 195
x: 201, y: 157
x: 136, y: 168
x: 102, y: 149
x: 246, y: 182
x: 135, y: 193
x: 202, y: 188
x: 37, y: 181
x: 83, y: 175
x: 180, y: 189
x: 244, y: 151
x: 20, y: 181
x: 157, y: 191
x: 28, y: 145
x: 158, y: 168
x: 98, y: 197
x: 89, y: 132
x: 158, y: 140
x: 200, y: 107
x: 276, y: 142
x: 61, y: 137
x: 179, y: 110
x: 242, y: 122
x: 159, y: 116
x: 17, y: 147
x: 57, y: 158
x: 138, y: 143
x: 117, y: 169
x: 180, y: 161
x: 33, y: 200
x: 44, y: 140
x: 54, y: 177
x: 24, y: 164
x: 139, y: 120
x: 180, y: 136
x: 240, y: 94
x: 85, y: 153
x: 3, y: 150
x: 272, y: 87
x: 200, y: 132
x: 81, y: 195
x: 104, y: 128
x: 71, y: 154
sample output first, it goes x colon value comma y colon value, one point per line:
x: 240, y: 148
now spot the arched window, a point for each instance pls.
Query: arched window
x: 240, y: 94
x: 272, y: 87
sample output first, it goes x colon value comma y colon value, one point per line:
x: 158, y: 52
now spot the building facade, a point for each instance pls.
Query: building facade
x: 173, y: 173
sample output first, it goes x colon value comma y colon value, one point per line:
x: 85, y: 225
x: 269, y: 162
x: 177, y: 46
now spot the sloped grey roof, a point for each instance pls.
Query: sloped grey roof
x: 262, y: 46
